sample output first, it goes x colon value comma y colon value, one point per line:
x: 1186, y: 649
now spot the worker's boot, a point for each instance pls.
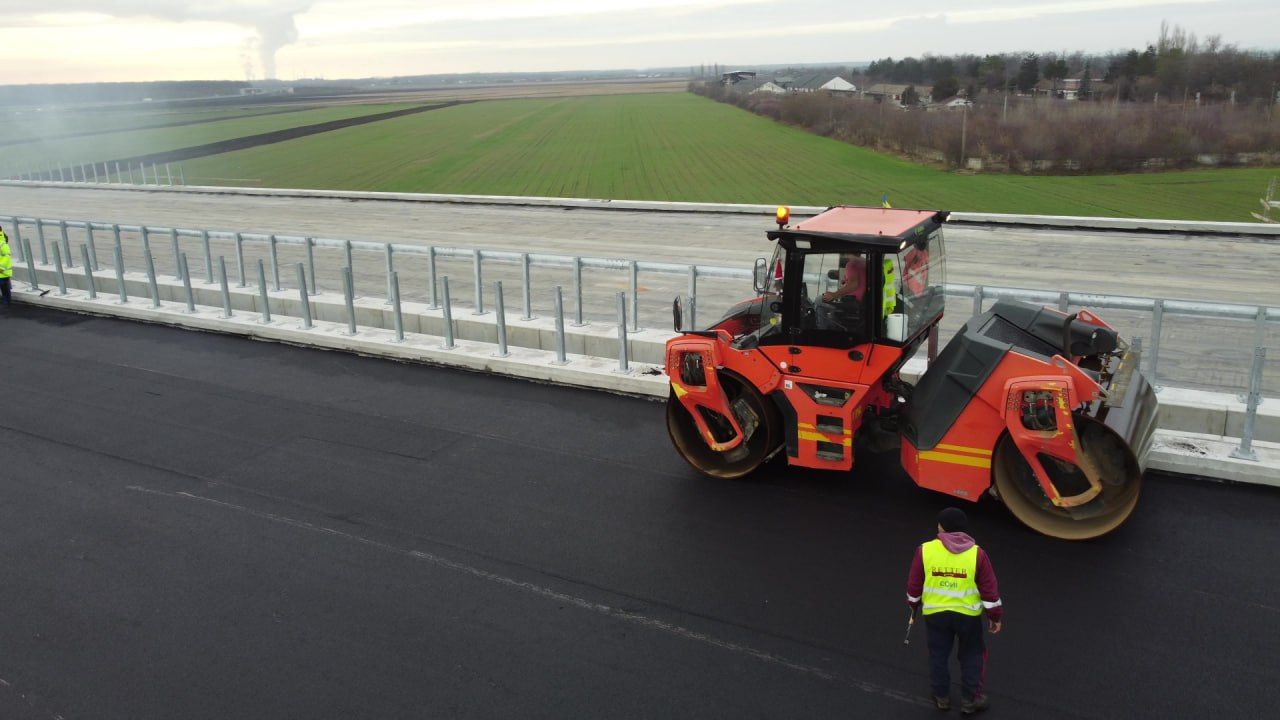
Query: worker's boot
x: 942, y: 703
x: 974, y: 705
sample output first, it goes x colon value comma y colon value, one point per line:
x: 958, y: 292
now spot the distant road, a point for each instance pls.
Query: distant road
x: 1192, y: 268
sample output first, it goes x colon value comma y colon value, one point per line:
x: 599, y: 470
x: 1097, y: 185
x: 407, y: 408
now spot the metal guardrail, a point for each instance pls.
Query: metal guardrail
x: 122, y: 175
x: 1157, y: 308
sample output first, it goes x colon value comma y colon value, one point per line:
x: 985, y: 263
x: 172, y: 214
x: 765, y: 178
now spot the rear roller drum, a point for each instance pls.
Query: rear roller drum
x: 1120, y: 475
x: 753, y: 411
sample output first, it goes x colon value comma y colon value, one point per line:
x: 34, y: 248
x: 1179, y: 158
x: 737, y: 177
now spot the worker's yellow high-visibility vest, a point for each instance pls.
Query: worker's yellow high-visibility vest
x: 6, y: 262
x: 949, y: 582
x: 890, y: 287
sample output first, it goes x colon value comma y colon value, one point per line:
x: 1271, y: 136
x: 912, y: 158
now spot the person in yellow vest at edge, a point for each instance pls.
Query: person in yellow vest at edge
x: 6, y: 269
x: 951, y: 578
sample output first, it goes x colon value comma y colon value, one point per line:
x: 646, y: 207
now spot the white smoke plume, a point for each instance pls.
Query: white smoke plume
x: 272, y: 20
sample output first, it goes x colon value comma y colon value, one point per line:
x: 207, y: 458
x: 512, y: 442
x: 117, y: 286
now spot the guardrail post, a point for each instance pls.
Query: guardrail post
x: 115, y: 234
x: 151, y: 281
x: 57, y: 262
x: 94, y: 167
x: 389, y: 252
x: 306, y: 301
x: 262, y: 294
x: 311, y: 269
x: 186, y: 283
x: 146, y: 241
x: 692, y: 311
x: 88, y: 273
x: 577, y: 293
x: 477, y: 263
x: 395, y: 306
x: 448, y: 315
x: 624, y: 365
x: 1260, y: 328
x: 240, y: 259
x: 526, y: 276
x: 177, y: 252
x: 131, y: 178
x: 977, y: 301
x: 1064, y: 301
x: 61, y: 178
x: 226, y: 290
x: 635, y: 296
x: 119, y: 177
x: 120, y: 288
x: 168, y: 171
x: 44, y: 252
x: 1157, y: 326
x: 502, y: 320
x: 561, y: 357
x: 431, y: 262
x: 142, y: 170
x: 182, y: 177
x: 155, y: 173
x: 66, y: 243
x: 208, y: 257
x: 1246, y: 451
x: 18, y: 241
x: 275, y: 263
x: 351, y: 263
x: 348, y: 296
x: 32, y: 280
x: 93, y: 245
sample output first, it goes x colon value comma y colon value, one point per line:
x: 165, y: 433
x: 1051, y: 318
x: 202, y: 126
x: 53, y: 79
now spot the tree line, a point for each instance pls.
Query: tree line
x: 1178, y: 66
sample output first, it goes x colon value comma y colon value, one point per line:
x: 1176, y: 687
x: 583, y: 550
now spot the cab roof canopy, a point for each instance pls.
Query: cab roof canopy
x: 876, y: 229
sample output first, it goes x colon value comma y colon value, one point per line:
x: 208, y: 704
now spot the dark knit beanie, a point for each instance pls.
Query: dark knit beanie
x: 953, y: 520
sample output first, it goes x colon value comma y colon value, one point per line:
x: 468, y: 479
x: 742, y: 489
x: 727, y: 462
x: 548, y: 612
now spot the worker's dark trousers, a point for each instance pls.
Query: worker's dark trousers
x: 4, y: 291
x: 943, y: 630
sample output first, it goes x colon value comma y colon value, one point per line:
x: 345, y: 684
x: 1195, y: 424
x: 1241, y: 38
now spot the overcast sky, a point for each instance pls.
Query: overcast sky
x: 117, y: 40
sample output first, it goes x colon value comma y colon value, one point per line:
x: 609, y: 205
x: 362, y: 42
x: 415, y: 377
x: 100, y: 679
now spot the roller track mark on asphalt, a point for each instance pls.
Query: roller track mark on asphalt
x: 548, y: 593
x: 27, y: 698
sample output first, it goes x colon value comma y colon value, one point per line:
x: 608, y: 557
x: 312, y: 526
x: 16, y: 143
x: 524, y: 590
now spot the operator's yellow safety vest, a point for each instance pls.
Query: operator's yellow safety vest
x: 6, y: 262
x: 890, y: 287
x: 950, y: 584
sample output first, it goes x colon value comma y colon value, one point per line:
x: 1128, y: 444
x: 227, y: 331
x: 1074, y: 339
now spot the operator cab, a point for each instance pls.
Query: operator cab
x: 852, y: 276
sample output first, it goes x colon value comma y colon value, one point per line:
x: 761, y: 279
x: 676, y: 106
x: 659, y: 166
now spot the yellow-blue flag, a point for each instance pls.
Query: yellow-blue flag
x: 884, y: 202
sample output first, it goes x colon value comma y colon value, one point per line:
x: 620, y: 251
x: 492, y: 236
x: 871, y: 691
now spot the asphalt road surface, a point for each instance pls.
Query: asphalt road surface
x: 201, y: 526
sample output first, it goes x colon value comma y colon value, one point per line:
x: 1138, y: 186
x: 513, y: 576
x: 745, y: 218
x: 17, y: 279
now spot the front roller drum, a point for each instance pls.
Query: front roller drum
x: 756, y: 415
x: 1116, y: 465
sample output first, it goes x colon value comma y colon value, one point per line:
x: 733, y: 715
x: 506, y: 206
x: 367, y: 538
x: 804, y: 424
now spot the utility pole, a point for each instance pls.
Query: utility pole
x: 964, y: 134
x: 1005, y: 117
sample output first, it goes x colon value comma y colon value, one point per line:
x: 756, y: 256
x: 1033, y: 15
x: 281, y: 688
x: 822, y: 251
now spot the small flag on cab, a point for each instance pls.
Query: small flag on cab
x: 884, y: 201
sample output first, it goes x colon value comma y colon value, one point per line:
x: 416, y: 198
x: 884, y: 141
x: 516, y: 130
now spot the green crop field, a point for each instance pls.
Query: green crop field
x: 35, y: 125
x: 682, y: 147
x: 42, y: 154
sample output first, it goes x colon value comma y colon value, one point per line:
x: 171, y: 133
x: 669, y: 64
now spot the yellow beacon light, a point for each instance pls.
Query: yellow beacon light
x: 784, y: 215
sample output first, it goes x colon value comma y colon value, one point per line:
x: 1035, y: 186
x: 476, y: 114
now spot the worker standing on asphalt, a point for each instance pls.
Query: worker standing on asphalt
x: 6, y: 269
x: 952, y: 579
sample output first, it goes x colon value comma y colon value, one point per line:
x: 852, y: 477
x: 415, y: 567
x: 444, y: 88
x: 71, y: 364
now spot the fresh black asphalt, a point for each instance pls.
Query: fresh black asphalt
x: 200, y: 526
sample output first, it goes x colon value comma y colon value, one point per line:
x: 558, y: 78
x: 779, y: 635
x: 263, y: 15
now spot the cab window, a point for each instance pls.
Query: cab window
x: 833, y: 296
x: 919, y: 279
